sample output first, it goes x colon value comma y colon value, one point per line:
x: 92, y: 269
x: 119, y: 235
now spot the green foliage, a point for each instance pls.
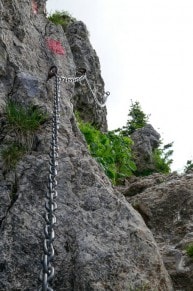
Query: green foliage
x: 22, y: 122
x: 112, y: 151
x: 189, y: 250
x: 61, y: 17
x: 24, y: 119
x: 162, y: 158
x: 188, y: 166
x: 137, y: 119
x: 161, y: 155
x: 11, y: 155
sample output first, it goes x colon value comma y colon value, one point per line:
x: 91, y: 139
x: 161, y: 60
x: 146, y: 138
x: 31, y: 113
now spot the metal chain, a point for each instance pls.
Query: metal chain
x: 84, y: 77
x: 106, y: 94
x: 72, y: 79
x: 47, y: 272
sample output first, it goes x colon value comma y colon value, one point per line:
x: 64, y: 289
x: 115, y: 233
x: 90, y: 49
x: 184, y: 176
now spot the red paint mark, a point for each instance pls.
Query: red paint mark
x: 55, y: 46
x: 34, y: 7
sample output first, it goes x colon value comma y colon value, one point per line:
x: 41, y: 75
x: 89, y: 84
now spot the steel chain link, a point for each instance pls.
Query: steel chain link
x: 84, y: 77
x: 47, y: 272
x: 72, y: 79
x: 106, y: 94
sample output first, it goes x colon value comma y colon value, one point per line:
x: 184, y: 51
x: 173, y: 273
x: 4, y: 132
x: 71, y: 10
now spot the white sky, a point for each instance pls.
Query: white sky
x: 146, y: 54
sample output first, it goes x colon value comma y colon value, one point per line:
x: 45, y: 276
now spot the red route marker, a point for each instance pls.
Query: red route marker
x: 55, y: 46
x: 34, y: 7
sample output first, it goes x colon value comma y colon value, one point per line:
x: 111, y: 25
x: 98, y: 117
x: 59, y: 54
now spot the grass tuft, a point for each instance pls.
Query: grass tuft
x: 11, y: 155
x: 22, y: 123
x: 189, y: 250
x: 24, y: 119
x: 61, y: 18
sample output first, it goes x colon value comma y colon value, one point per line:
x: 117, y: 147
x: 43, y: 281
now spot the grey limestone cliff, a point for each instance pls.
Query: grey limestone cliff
x: 85, y: 57
x: 165, y: 203
x: 146, y: 140
x: 101, y: 242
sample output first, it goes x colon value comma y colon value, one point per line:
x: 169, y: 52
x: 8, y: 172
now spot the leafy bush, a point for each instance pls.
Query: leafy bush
x: 189, y: 250
x: 11, y: 155
x: 112, y: 151
x: 61, y: 17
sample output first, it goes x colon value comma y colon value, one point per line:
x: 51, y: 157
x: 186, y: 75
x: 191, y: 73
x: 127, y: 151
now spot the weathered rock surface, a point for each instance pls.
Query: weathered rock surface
x: 85, y: 56
x: 166, y: 206
x: 101, y: 242
x: 145, y: 140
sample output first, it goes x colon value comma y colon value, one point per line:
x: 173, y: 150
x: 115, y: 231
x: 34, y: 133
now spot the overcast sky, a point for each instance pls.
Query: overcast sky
x: 146, y: 54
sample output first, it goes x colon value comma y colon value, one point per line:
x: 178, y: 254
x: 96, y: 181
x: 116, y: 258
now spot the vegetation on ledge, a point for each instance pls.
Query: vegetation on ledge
x: 113, y: 150
x: 22, y: 122
x: 62, y: 18
x: 189, y: 250
x: 161, y: 155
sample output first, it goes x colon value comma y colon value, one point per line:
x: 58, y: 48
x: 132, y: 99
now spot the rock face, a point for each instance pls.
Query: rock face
x: 85, y: 56
x: 145, y: 139
x: 166, y: 203
x: 101, y: 242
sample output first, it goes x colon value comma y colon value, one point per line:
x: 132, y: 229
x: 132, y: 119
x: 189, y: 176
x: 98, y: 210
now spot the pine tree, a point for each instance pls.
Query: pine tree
x: 137, y: 119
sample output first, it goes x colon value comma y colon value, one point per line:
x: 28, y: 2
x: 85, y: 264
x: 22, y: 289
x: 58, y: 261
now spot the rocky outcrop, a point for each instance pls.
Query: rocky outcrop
x: 146, y: 140
x: 101, y: 242
x: 85, y: 56
x: 166, y: 203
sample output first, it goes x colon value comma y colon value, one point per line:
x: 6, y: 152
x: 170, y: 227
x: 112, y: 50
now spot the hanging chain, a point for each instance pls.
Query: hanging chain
x: 47, y: 272
x: 72, y: 79
x: 106, y: 94
x: 84, y: 77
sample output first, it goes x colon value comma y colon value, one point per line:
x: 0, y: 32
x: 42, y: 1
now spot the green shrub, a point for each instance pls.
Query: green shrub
x: 189, y: 250
x: 162, y: 160
x: 111, y: 150
x: 188, y: 166
x: 61, y: 18
x: 11, y: 155
x: 161, y: 155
